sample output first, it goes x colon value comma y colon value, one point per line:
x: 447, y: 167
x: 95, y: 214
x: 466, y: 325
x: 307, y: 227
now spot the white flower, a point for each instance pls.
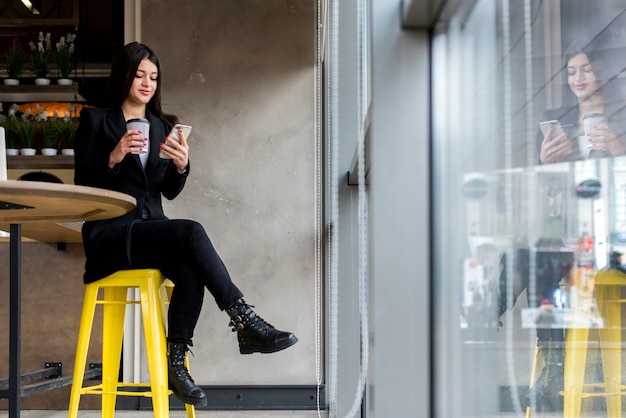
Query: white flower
x: 13, y: 110
x: 25, y: 115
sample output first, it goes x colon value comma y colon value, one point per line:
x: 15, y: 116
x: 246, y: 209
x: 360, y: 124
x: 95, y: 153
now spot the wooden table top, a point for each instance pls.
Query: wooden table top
x: 49, y: 211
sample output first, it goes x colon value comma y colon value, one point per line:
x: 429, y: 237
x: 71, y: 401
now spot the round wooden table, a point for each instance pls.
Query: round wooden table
x: 25, y: 202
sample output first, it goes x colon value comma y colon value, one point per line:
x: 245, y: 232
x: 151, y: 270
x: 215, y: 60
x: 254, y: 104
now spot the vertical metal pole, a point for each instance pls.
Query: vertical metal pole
x: 15, y: 312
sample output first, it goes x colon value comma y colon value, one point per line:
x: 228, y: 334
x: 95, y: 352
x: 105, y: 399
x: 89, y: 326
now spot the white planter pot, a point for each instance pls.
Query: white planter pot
x: 13, y: 152
x: 42, y: 81
x: 11, y: 81
x: 49, y: 151
x: 67, y: 151
x: 28, y: 151
x: 65, y: 81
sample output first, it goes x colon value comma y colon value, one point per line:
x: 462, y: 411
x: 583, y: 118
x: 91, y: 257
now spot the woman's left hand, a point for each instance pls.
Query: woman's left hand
x: 604, y: 139
x: 178, y: 152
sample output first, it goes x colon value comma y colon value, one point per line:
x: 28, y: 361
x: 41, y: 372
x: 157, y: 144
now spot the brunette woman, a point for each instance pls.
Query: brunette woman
x: 145, y: 237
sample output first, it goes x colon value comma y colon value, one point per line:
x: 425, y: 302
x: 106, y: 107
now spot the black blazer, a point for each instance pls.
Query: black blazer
x: 98, y: 133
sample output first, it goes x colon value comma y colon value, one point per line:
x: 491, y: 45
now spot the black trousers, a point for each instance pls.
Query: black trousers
x: 183, y: 252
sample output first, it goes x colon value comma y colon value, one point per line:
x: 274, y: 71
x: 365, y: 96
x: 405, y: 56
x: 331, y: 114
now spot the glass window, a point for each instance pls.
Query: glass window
x: 529, y: 169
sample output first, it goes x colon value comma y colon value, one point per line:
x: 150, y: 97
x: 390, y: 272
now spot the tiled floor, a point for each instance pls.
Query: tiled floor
x: 176, y: 414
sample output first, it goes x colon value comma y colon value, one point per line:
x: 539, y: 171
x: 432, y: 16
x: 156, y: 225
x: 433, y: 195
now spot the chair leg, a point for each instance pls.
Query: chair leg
x: 536, y: 370
x: 166, y: 297
x: 112, y: 335
x: 575, y: 360
x: 82, y: 347
x: 191, y: 410
x: 156, y: 348
x: 610, y: 347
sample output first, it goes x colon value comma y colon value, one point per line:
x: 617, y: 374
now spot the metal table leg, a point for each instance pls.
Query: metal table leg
x: 15, y: 311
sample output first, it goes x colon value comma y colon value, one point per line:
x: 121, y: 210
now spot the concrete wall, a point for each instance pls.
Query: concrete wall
x: 243, y: 74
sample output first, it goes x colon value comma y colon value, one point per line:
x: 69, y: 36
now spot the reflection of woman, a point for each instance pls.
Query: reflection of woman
x: 146, y: 238
x: 587, y: 92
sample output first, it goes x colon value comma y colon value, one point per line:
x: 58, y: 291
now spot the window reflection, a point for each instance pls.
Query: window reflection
x: 530, y: 140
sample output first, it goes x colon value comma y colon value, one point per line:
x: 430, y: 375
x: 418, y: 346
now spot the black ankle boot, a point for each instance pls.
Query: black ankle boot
x: 180, y: 381
x: 534, y: 397
x: 253, y: 333
x: 545, y: 393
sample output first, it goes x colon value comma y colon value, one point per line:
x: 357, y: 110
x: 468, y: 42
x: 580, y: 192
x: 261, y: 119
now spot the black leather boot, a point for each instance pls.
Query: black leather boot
x: 253, y: 333
x: 553, y: 399
x: 534, y: 397
x: 180, y: 381
x: 545, y: 394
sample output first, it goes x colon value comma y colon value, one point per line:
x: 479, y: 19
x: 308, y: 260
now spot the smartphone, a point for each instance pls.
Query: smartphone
x: 558, y: 129
x: 173, y: 135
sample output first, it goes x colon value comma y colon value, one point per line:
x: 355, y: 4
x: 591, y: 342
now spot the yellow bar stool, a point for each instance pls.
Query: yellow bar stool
x: 608, y: 286
x: 154, y: 292
x: 536, y: 370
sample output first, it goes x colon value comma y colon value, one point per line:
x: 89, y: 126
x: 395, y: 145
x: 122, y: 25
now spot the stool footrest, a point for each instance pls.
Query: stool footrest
x: 99, y: 390
x: 622, y: 391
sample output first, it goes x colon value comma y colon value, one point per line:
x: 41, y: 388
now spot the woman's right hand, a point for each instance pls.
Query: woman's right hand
x: 132, y: 140
x: 553, y: 148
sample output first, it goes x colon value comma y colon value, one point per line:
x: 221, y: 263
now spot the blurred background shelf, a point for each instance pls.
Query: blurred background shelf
x: 32, y: 93
x: 41, y: 162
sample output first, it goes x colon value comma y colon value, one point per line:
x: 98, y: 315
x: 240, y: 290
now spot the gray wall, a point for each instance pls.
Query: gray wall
x: 242, y: 73
x: 399, y: 218
x: 398, y: 375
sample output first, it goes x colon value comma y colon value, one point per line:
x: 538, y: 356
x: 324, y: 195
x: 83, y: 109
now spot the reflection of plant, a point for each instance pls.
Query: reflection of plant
x: 40, y: 55
x: 10, y: 126
x: 14, y: 60
x: 64, y: 56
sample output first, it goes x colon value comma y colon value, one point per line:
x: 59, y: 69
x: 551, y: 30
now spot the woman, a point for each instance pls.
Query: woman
x: 145, y: 237
x: 587, y: 92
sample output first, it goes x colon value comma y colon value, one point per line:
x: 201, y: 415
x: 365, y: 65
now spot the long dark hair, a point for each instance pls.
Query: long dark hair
x: 123, y: 70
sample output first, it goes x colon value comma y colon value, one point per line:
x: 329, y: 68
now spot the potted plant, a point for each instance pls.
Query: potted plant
x: 40, y: 58
x: 27, y: 130
x: 48, y: 129
x: 65, y: 58
x: 14, y: 63
x: 9, y: 122
x: 66, y: 132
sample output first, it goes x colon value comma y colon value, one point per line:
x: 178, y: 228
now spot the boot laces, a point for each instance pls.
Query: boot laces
x: 177, y: 361
x: 244, y: 317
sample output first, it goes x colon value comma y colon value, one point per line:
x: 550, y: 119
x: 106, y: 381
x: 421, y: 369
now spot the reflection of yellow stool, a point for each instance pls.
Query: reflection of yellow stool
x: 608, y: 286
x: 534, y: 374
x: 153, y: 288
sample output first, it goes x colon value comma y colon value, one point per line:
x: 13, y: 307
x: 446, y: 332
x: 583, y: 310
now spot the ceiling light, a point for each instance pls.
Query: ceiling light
x: 32, y: 6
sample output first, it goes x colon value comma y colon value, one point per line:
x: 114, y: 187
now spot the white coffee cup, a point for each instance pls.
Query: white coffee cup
x: 590, y: 121
x: 143, y: 126
x: 583, y: 146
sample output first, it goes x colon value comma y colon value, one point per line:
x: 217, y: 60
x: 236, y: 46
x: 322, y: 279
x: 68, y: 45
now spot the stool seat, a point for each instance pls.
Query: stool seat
x: 608, y: 285
x: 154, y: 292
